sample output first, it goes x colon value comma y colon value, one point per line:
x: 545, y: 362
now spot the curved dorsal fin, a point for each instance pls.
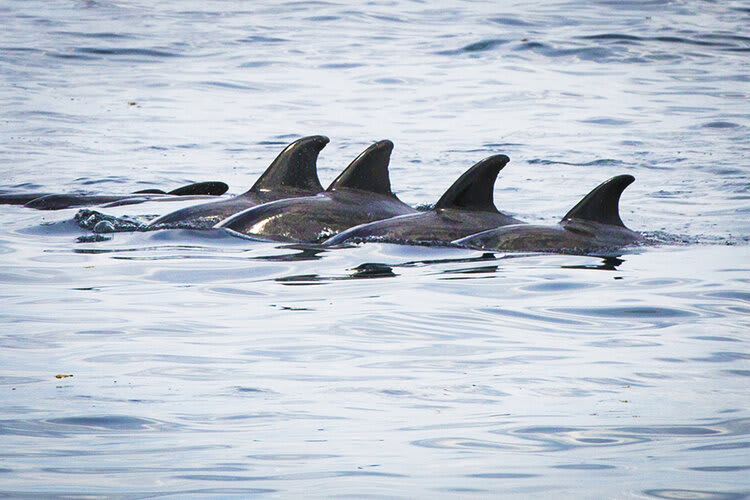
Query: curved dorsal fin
x: 473, y: 190
x: 602, y: 203
x: 295, y: 167
x: 368, y: 171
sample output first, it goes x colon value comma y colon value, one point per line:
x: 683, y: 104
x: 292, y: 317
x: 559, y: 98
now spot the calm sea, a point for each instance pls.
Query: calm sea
x: 210, y: 366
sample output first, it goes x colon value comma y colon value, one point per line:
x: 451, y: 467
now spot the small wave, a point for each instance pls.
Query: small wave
x: 262, y: 39
x: 65, y: 426
x: 98, y: 35
x: 721, y: 124
x: 230, y: 85
x: 606, y: 121
x: 720, y: 40
x: 676, y: 494
x: 125, y: 52
x: 256, y: 64
x: 602, y: 162
x: 613, y: 47
x: 341, y: 65
x: 510, y: 21
x: 480, y: 46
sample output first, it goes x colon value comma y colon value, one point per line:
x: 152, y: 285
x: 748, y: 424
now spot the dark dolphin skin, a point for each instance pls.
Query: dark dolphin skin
x: 47, y: 201
x: 594, y: 224
x: 292, y: 174
x: 465, y: 208
x: 361, y: 193
x: 19, y: 198
x: 197, y: 191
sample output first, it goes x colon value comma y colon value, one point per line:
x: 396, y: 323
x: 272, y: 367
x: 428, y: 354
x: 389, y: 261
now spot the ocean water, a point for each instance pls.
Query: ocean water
x: 205, y: 365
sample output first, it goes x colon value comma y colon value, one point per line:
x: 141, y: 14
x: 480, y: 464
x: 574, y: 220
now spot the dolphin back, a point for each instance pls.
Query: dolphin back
x: 602, y: 203
x: 473, y: 190
x: 209, y: 188
x: 295, y: 167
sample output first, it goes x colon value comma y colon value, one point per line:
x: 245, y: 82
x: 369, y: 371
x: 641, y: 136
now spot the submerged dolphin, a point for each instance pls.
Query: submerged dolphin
x: 293, y: 173
x: 362, y: 193
x: 200, y: 190
x: 465, y: 208
x: 51, y: 201
x: 593, y: 224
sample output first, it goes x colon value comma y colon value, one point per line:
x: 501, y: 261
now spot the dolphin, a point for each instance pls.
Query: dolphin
x: 594, y: 224
x: 293, y: 173
x: 19, y: 198
x: 465, y: 208
x: 197, y: 190
x: 361, y: 193
x: 52, y: 201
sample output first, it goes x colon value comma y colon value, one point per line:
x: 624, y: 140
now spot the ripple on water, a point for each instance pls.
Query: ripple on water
x: 566, y: 438
x: 584, y: 467
x: 67, y: 426
x: 624, y: 317
x: 684, y: 494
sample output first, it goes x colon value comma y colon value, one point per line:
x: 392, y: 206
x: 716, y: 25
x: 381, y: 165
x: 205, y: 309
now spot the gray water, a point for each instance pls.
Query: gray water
x: 208, y: 365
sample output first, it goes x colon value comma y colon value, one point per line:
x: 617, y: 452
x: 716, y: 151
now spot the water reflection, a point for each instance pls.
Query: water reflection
x: 683, y: 494
x: 608, y: 263
x: 363, y: 271
x: 303, y: 252
x: 479, y: 270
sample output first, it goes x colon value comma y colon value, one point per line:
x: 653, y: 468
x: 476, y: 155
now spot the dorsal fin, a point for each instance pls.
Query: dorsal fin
x: 368, y: 171
x: 150, y: 191
x: 295, y: 167
x: 602, y: 203
x: 473, y: 190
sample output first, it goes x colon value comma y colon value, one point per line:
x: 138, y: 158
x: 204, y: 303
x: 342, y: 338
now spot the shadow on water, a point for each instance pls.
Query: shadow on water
x: 363, y: 271
x: 302, y: 253
x: 608, y: 263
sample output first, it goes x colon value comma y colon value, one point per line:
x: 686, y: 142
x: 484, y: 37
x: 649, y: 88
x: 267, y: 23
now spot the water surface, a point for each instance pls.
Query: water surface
x: 207, y: 365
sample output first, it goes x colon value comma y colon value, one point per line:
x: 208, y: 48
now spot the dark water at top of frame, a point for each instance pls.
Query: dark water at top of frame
x: 209, y: 366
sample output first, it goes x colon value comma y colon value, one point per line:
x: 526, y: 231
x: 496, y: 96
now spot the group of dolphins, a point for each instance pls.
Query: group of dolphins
x: 289, y: 204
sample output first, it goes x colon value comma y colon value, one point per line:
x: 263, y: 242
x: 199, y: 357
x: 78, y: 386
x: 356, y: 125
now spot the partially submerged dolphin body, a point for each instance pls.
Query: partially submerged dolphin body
x: 292, y: 174
x: 594, y: 224
x: 362, y: 193
x: 50, y: 201
x: 465, y: 208
x: 198, y: 190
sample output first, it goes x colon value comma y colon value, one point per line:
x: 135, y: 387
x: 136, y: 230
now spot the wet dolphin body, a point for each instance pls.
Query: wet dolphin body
x: 465, y: 208
x: 51, y: 201
x: 199, y: 190
x: 361, y: 193
x: 594, y: 224
x: 19, y: 198
x: 292, y: 174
